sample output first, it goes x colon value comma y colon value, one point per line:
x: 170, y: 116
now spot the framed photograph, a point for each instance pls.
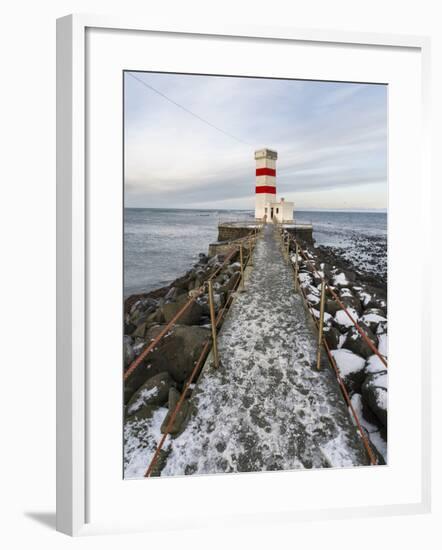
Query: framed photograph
x: 236, y: 211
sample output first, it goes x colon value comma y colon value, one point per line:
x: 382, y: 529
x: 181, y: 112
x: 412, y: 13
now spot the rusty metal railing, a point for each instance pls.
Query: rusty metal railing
x: 340, y: 303
x: 322, y: 341
x: 198, y: 364
x: 195, y: 294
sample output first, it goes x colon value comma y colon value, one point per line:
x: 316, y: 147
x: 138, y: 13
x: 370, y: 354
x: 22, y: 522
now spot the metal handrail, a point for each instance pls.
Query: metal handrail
x: 332, y: 361
x: 198, y: 365
x: 341, y: 305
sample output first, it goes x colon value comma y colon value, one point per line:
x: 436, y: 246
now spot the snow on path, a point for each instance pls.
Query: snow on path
x: 267, y: 407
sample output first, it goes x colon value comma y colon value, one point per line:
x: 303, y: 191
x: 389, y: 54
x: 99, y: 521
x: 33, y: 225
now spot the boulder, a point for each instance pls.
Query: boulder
x: 355, y: 343
x: 154, y: 392
x: 331, y: 335
x: 374, y: 365
x: 342, y: 321
x: 190, y: 317
x: 176, y: 354
x: 128, y: 351
x: 331, y: 306
x: 353, y: 302
x: 141, y: 329
x: 132, y: 422
x: 172, y: 294
x: 372, y: 317
x: 375, y: 395
x: 182, y: 416
x: 129, y: 328
x: 383, y: 344
x: 202, y: 258
x: 351, y: 368
x: 340, y: 279
x: 183, y: 282
x: 230, y: 284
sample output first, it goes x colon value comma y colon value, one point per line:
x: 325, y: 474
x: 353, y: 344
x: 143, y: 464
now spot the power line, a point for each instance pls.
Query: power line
x: 187, y: 110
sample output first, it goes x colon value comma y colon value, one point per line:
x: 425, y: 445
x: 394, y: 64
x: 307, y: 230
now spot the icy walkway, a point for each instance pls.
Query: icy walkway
x: 267, y: 407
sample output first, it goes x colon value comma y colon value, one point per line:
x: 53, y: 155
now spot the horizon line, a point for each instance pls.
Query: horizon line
x: 306, y: 209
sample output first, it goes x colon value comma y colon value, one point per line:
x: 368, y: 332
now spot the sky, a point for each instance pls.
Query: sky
x: 331, y: 140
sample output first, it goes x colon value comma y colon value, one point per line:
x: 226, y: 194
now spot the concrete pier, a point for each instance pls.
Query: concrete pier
x: 266, y: 407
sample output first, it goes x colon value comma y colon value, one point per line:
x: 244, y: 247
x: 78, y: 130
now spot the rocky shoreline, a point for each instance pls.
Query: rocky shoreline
x: 365, y: 296
x: 153, y: 389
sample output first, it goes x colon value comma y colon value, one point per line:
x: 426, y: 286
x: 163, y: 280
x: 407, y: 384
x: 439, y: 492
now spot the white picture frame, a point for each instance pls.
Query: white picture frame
x: 76, y: 499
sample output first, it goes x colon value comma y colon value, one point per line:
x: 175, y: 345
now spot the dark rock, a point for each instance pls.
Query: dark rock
x: 351, y: 368
x: 353, y: 302
x: 372, y: 317
x: 129, y: 328
x: 176, y: 354
x: 190, y: 317
x: 154, y: 392
x: 355, y: 343
x: 181, y: 417
x: 230, y: 284
x: 128, y: 351
x: 172, y: 294
x: 375, y: 394
x: 141, y: 330
x: 144, y: 413
x: 331, y: 306
x: 149, y: 298
x: 234, y: 267
x: 182, y: 282
x: 331, y: 336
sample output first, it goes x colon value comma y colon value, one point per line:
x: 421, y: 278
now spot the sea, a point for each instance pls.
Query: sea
x: 162, y: 244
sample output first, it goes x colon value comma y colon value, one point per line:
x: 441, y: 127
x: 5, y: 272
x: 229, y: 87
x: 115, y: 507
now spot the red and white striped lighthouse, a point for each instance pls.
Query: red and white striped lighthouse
x: 265, y: 182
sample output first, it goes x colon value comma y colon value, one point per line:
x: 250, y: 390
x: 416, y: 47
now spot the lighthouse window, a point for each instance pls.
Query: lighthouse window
x: 277, y: 210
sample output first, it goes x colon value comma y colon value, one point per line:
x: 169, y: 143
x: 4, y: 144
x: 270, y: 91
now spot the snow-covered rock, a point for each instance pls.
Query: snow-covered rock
x: 340, y: 280
x: 351, y: 368
x: 154, y: 392
x: 357, y: 344
x: 343, y: 320
x: 375, y: 394
x: 374, y: 365
x: 383, y: 344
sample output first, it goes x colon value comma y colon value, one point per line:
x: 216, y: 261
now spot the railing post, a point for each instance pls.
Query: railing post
x: 250, y: 262
x: 241, y: 259
x: 213, y: 323
x: 288, y: 247
x: 321, y: 325
x: 296, y: 266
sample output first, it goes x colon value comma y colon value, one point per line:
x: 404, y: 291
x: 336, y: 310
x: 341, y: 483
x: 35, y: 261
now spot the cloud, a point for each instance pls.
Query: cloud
x: 329, y: 136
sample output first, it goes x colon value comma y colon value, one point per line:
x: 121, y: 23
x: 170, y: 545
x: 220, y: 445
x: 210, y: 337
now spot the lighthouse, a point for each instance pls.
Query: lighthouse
x: 266, y: 205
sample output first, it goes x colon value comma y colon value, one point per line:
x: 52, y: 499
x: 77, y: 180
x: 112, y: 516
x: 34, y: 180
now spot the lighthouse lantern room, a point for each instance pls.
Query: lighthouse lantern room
x: 267, y: 208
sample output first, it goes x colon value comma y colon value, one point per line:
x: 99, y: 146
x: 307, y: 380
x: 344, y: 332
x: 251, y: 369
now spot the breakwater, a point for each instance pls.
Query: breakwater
x: 154, y: 393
